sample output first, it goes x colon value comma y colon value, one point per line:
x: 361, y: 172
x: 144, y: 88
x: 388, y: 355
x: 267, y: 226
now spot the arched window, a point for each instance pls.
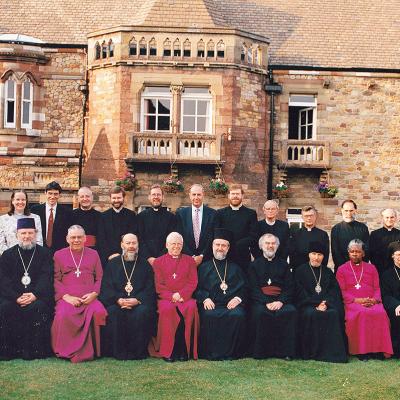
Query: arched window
x: 243, y: 52
x: 104, y: 49
x: 250, y: 55
x: 10, y: 108
x: 167, y: 48
x: 177, y: 48
x: 133, y: 47
x: 142, y: 47
x: 200, y: 48
x: 153, y: 47
x: 97, y: 51
x: 187, y: 48
x: 26, y: 104
x: 257, y: 55
x: 220, y: 49
x: 210, y: 49
x: 110, y: 48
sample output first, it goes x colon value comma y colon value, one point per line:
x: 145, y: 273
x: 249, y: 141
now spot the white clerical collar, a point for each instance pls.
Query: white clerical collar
x: 388, y: 229
x: 118, y: 210
x: 156, y: 209
x: 236, y: 208
x: 309, y: 229
x: 270, y: 223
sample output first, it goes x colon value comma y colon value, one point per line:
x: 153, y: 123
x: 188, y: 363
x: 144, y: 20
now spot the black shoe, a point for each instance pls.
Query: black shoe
x: 363, y: 357
x: 169, y: 359
x: 183, y: 358
x: 288, y: 358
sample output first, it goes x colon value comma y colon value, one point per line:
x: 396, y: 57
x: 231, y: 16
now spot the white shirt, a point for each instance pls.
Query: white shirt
x: 48, y: 213
x: 200, y: 214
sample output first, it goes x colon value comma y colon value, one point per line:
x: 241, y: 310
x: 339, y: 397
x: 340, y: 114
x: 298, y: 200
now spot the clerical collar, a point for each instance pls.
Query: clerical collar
x: 388, y: 229
x: 235, y: 208
x: 270, y: 223
x: 85, y: 209
x: 269, y: 259
x: 309, y: 229
x: 117, y: 210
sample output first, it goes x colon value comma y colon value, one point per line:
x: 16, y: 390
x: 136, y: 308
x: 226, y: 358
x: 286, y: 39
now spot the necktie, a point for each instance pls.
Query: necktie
x: 49, y: 236
x: 196, y: 227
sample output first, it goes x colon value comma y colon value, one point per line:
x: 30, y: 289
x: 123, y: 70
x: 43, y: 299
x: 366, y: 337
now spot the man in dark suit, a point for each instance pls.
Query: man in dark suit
x: 55, y: 218
x: 196, y: 225
x: 114, y: 223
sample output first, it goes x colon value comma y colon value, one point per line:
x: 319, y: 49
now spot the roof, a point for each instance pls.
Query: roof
x: 17, y: 38
x: 319, y: 33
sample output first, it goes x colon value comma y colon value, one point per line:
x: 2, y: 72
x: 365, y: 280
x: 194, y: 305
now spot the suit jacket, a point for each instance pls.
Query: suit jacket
x: 185, y: 228
x: 62, y: 221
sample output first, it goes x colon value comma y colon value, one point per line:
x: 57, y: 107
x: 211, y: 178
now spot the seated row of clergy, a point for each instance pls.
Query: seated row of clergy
x: 129, y: 298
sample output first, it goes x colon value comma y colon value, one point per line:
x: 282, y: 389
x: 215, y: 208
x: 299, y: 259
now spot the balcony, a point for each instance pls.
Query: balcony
x: 180, y: 147
x: 305, y: 154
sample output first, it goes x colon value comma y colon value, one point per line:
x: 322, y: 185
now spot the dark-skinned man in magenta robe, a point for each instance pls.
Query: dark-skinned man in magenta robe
x: 175, y: 276
x: 75, y: 332
x: 367, y: 325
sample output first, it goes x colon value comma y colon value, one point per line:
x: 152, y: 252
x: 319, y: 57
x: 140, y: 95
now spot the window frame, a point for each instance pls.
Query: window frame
x: 30, y: 101
x: 6, y: 100
x: 306, y: 106
x: 155, y: 96
x: 197, y: 97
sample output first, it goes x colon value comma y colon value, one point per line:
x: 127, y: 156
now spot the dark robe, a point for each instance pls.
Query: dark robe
x: 127, y: 332
x: 280, y: 229
x: 241, y: 223
x: 113, y: 225
x: 378, y: 246
x: 300, y: 242
x: 321, y: 333
x: 89, y: 220
x: 222, y: 331
x: 342, y: 234
x: 25, y: 331
x: 390, y: 288
x: 274, y: 332
x: 153, y: 228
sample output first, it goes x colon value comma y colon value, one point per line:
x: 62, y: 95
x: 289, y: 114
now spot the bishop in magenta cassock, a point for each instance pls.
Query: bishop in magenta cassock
x: 75, y: 333
x: 367, y: 325
x: 175, y: 276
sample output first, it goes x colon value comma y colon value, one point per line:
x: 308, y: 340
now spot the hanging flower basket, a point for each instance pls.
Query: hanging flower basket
x: 172, y: 185
x: 281, y: 190
x: 326, y: 190
x: 218, y: 186
x: 127, y: 182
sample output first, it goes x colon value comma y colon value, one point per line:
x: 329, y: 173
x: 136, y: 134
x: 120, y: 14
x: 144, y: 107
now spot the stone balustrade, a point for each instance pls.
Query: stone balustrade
x: 305, y: 154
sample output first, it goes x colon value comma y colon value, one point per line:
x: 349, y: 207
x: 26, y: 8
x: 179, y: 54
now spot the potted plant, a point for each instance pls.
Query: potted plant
x: 327, y: 190
x: 172, y: 185
x: 281, y: 190
x: 127, y: 182
x: 218, y: 186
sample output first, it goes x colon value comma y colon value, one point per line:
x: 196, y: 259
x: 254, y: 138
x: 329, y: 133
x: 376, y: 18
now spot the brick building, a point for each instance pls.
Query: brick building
x: 89, y: 89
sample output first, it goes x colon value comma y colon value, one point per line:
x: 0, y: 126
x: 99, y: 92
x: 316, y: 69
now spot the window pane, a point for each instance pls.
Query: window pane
x: 150, y: 123
x: 150, y: 106
x: 163, y: 123
x: 309, y: 132
x: 202, y: 107
x: 201, y: 124
x: 188, y: 124
x: 189, y: 107
x: 10, y: 91
x: 164, y: 106
x: 310, y: 116
x: 303, y: 132
x: 302, y: 118
x: 10, y: 112
x: 25, y: 112
x: 27, y: 90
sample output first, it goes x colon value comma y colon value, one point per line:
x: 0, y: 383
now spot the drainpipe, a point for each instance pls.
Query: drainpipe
x: 84, y: 89
x: 272, y: 89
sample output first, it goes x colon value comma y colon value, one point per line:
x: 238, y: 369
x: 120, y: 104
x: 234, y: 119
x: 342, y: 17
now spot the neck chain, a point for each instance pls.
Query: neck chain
x: 223, y: 285
x: 77, y: 267
x: 318, y: 282
x: 395, y: 270
x: 128, y: 286
x: 357, y: 285
x: 178, y: 258
x: 26, y: 279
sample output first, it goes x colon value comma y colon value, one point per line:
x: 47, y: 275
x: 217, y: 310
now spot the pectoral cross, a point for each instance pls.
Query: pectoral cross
x: 174, y: 275
x: 357, y: 286
x: 77, y: 273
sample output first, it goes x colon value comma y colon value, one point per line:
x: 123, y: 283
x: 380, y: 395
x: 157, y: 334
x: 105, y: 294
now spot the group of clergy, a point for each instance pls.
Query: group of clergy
x: 214, y: 284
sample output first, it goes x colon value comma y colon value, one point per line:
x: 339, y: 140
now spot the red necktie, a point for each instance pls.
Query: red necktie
x: 196, y: 227
x: 49, y: 236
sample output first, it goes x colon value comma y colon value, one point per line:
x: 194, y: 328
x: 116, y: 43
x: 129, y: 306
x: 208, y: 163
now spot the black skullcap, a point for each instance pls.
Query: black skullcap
x: 26, y: 223
x: 317, y: 247
x: 225, y: 234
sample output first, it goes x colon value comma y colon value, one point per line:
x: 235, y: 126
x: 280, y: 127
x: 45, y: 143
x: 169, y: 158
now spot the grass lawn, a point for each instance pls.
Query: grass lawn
x: 155, y: 379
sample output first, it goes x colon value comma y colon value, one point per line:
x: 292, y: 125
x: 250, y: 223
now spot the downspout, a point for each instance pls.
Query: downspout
x: 84, y: 89
x: 272, y: 89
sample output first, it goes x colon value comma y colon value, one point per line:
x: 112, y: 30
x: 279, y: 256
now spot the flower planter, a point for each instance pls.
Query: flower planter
x: 326, y: 195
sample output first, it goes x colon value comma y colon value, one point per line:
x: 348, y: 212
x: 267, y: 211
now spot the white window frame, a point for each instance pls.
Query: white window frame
x: 27, y: 125
x: 309, y: 102
x: 197, y: 97
x: 154, y: 95
x: 294, y: 218
x: 6, y: 100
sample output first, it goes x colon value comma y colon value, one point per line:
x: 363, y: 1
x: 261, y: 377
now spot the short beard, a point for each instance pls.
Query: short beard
x: 269, y: 254
x: 130, y: 255
x: 219, y: 256
x: 29, y: 246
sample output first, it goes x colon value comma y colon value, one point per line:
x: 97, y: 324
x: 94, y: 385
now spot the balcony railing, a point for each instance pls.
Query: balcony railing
x: 305, y: 154
x: 181, y: 147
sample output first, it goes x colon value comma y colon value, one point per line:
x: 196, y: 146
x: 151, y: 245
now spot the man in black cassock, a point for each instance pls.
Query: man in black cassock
x: 390, y: 291
x: 87, y: 217
x: 321, y: 315
x: 27, y: 293
x: 274, y: 226
x: 127, y: 291
x: 154, y: 225
x: 273, y: 315
x: 115, y: 222
x: 241, y: 221
x: 301, y: 239
x: 221, y: 291
x: 344, y: 232
x: 380, y: 240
